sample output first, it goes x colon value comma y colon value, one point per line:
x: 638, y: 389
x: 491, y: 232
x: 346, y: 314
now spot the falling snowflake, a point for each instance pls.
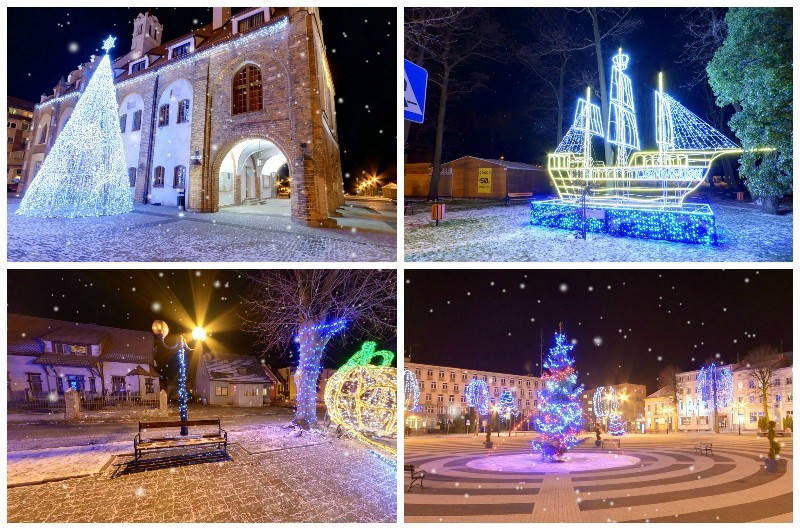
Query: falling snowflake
x: 563, y: 287
x: 598, y: 341
x: 73, y: 47
x: 156, y: 307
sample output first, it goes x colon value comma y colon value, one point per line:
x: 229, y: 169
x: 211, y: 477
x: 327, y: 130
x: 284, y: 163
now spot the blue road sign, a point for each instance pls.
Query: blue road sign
x: 414, y: 87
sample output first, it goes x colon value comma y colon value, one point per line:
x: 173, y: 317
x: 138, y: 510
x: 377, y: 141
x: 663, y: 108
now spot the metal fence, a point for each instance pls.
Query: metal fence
x: 44, y: 403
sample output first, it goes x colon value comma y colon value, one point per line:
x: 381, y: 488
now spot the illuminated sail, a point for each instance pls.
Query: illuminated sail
x: 683, y: 130
x: 573, y: 141
x: 622, y: 130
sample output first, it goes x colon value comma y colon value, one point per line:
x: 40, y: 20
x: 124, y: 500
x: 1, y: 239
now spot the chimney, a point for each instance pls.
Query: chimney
x: 221, y: 16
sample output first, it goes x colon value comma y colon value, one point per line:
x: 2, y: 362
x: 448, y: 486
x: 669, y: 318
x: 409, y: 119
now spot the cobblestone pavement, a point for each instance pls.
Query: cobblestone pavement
x: 160, y: 233
x: 669, y: 483
x: 482, y: 231
x: 323, y: 481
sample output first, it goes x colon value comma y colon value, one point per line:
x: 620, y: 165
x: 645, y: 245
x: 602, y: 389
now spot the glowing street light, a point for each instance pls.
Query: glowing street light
x: 161, y: 330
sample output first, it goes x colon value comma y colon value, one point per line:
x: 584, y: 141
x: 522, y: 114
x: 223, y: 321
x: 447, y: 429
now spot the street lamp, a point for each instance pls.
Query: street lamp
x: 161, y: 329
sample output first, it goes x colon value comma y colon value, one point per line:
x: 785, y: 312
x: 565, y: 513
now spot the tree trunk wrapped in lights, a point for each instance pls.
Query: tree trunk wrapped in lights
x: 312, y: 307
x: 560, y: 418
x: 85, y: 173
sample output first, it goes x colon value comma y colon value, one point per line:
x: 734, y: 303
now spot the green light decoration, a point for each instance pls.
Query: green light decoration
x: 362, y: 397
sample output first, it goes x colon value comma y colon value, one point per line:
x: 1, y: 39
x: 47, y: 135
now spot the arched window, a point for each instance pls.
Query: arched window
x: 132, y: 176
x: 43, y: 135
x: 179, y: 181
x: 158, y: 182
x: 247, y: 90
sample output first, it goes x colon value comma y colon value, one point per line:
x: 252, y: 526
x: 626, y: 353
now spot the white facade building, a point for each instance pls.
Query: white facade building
x: 233, y: 380
x: 46, y: 357
x: 441, y: 393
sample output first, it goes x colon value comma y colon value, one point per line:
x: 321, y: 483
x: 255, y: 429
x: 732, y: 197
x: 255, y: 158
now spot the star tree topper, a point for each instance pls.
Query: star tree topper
x: 109, y: 43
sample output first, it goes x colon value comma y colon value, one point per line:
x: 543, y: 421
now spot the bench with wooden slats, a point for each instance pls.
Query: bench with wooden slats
x: 415, y: 474
x: 152, y: 444
x: 518, y: 196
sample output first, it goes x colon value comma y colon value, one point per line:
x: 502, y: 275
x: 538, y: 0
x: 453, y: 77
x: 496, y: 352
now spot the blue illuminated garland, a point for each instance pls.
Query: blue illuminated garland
x: 477, y: 396
x: 506, y: 407
x: 715, y: 387
x: 697, y: 226
x: 560, y: 416
x: 411, y: 391
x: 311, y: 341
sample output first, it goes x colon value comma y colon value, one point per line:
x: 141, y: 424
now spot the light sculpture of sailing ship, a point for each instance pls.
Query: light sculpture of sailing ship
x: 644, y: 193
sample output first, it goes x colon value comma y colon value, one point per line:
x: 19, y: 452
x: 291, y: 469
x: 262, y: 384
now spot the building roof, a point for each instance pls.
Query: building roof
x: 505, y: 163
x: 58, y: 359
x: 234, y: 368
x: 143, y: 371
x: 26, y: 336
x: 18, y: 103
x: 661, y: 392
x: 407, y: 361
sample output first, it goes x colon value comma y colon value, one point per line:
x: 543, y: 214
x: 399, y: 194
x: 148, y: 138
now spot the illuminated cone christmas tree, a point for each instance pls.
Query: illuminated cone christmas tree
x: 560, y: 411
x: 85, y: 173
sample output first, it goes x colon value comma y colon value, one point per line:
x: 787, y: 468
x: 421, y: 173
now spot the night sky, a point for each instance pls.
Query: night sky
x: 628, y: 324
x: 133, y: 299
x: 361, y: 43
x: 501, y: 120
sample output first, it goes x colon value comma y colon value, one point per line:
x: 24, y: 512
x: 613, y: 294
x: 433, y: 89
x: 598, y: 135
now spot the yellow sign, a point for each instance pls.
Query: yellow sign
x: 484, y: 180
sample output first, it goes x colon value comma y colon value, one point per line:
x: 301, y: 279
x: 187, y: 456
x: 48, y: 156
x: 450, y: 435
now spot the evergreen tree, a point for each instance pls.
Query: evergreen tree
x: 560, y: 418
x: 753, y: 72
x: 85, y: 173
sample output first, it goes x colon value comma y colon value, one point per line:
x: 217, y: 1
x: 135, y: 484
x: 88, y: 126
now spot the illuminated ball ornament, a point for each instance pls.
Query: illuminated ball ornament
x: 362, y: 397
x: 160, y: 328
x: 477, y: 396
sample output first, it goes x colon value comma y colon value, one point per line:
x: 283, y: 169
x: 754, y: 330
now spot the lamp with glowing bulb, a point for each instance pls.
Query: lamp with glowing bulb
x: 161, y: 330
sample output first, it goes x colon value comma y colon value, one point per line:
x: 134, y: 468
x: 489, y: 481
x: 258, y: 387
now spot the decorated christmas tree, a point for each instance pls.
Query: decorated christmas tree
x: 616, y: 427
x: 85, y: 173
x: 560, y: 411
x: 506, y: 405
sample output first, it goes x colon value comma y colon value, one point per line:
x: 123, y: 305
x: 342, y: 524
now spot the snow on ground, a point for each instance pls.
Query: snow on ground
x: 38, y: 465
x: 482, y: 231
x: 367, y: 233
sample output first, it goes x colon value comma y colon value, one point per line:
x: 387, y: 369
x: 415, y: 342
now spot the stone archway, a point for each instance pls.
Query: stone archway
x: 238, y: 172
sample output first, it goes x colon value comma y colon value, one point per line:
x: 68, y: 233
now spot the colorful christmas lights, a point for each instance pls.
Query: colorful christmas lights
x: 312, y: 340
x: 560, y: 417
x: 616, y: 426
x: 85, y: 173
x: 362, y: 397
x: 477, y: 396
x: 411, y: 392
x: 689, y: 224
x: 714, y: 387
x: 505, y: 406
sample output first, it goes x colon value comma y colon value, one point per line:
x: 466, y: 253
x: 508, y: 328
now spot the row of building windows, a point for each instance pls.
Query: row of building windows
x: 13, y: 125
x: 137, y: 121
x: 178, y: 177
x: 78, y: 383
x: 465, y: 377
x: 183, y: 113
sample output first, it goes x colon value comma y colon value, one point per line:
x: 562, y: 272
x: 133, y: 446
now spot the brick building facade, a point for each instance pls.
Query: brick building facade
x: 18, y: 126
x: 206, y: 115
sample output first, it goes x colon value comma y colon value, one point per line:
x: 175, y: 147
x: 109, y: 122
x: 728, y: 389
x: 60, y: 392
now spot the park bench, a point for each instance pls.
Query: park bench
x: 416, y: 475
x: 518, y: 196
x: 705, y: 449
x: 616, y: 442
x: 409, y: 205
x: 144, y: 442
x: 763, y: 434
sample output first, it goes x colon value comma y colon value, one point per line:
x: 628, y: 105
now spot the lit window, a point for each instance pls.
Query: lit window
x: 181, y: 50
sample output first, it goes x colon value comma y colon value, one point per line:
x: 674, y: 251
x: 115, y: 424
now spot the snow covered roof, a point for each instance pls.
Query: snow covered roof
x: 58, y: 359
x: 235, y: 368
x: 505, y: 163
x: 26, y: 336
x: 661, y: 392
x: 143, y: 371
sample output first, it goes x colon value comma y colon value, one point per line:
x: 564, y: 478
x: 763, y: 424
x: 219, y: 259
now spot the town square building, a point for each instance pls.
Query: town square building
x: 238, y: 112
x: 442, y: 396
x: 18, y: 128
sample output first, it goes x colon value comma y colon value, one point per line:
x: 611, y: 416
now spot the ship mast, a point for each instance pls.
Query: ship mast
x: 587, y: 135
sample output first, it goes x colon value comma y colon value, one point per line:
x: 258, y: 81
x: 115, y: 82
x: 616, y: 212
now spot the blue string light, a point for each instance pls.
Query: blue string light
x: 411, y: 391
x: 714, y: 387
x: 560, y: 416
x: 690, y: 224
x: 311, y: 341
x: 477, y: 396
x: 506, y: 407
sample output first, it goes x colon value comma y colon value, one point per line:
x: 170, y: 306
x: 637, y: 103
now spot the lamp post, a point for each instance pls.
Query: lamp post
x: 161, y: 329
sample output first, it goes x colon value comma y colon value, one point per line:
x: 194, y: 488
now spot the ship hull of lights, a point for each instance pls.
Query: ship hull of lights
x: 411, y: 392
x: 641, y: 181
x: 85, y: 173
x: 477, y: 396
x: 695, y: 224
x: 560, y: 415
x: 362, y: 397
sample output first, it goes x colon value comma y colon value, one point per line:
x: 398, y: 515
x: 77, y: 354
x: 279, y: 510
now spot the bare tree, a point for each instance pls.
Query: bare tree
x: 310, y: 307
x: 608, y: 24
x: 762, y: 363
x: 468, y: 34
x: 668, y: 381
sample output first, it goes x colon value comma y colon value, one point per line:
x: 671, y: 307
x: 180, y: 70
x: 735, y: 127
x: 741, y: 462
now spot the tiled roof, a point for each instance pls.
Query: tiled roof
x: 116, y: 344
x: 235, y: 368
x: 143, y: 371
x: 58, y: 359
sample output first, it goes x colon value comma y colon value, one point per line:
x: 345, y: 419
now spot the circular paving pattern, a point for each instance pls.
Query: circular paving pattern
x: 652, y: 478
x: 572, y: 462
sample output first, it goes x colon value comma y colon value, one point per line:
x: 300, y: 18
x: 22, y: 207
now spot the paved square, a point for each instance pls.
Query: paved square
x: 367, y: 232
x: 268, y: 476
x: 661, y: 480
